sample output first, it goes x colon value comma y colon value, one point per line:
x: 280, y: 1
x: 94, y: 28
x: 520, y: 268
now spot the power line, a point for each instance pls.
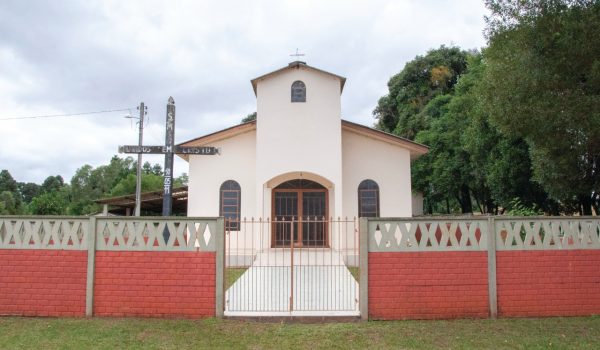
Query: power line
x: 69, y: 115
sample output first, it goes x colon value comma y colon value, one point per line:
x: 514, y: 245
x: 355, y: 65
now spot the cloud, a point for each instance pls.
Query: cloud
x: 72, y: 56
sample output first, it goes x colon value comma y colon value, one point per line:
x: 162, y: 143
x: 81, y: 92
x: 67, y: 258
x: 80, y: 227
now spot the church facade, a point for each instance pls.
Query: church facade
x: 299, y: 160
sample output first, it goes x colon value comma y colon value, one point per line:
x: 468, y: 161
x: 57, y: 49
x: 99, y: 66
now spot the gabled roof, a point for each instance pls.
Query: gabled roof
x: 218, y: 135
x: 416, y: 149
x: 297, y: 65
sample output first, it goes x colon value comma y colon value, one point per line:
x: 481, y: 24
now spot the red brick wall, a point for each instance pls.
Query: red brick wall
x: 42, y: 282
x: 155, y: 284
x: 428, y: 285
x: 548, y: 283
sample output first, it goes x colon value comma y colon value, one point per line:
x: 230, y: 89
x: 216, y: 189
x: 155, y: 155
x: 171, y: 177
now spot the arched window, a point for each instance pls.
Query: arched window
x: 230, y: 204
x: 368, y: 199
x: 298, y: 91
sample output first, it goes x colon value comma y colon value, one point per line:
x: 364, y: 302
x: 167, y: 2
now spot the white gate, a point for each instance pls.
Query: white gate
x: 270, y: 271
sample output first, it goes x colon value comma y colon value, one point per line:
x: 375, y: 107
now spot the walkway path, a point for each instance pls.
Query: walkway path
x: 323, y: 285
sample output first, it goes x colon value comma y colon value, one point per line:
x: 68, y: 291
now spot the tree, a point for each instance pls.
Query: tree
x: 8, y: 204
x: 89, y: 184
x: 49, y: 203
x: 250, y: 117
x: 420, y: 81
x: 7, y: 182
x: 11, y: 197
x: 542, y: 83
x: 52, y: 184
x: 127, y: 185
x: 28, y: 190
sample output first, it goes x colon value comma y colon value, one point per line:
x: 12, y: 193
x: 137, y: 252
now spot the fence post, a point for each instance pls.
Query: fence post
x: 363, y: 234
x: 492, y: 288
x: 91, y: 246
x: 220, y: 267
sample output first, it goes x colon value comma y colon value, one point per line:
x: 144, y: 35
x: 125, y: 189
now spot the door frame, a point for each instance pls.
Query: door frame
x: 300, y: 219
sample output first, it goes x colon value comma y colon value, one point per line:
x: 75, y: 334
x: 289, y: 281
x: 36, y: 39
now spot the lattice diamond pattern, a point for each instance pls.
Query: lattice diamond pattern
x: 43, y: 233
x: 434, y: 235
x: 568, y: 233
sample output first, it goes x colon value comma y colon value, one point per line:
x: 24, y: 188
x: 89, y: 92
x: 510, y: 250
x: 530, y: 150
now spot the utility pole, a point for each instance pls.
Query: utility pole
x: 138, y: 185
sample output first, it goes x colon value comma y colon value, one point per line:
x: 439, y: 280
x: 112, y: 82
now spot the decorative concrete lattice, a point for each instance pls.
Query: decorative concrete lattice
x: 44, y: 233
x: 395, y: 235
x: 544, y: 234
x: 150, y: 234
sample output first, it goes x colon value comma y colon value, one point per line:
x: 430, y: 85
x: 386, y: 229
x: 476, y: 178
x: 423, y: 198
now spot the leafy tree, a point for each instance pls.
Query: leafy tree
x: 10, y: 198
x: 250, y: 117
x: 89, y: 184
x: 157, y: 170
x: 182, y: 180
x: 52, y: 184
x: 147, y: 168
x: 7, y: 182
x: 542, y: 83
x: 29, y: 190
x: 8, y: 204
x: 84, y: 191
x: 127, y: 185
x: 470, y: 162
x: 49, y: 203
x: 421, y: 80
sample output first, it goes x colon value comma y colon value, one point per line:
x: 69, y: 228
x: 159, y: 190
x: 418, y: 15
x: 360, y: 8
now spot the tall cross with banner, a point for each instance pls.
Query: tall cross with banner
x: 169, y: 150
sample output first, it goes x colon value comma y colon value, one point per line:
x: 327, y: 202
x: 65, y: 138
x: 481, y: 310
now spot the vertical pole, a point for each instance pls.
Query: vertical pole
x: 168, y: 151
x: 89, y: 288
x: 138, y: 184
x: 363, y: 246
x: 292, y: 266
x: 169, y: 145
x: 220, y: 268
x: 492, y: 288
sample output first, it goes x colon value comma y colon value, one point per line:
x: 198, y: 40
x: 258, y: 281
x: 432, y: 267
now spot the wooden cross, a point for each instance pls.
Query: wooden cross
x: 169, y: 150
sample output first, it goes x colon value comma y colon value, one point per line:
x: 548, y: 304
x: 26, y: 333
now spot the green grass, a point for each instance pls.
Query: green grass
x: 106, y: 333
x: 232, y: 274
x: 355, y: 272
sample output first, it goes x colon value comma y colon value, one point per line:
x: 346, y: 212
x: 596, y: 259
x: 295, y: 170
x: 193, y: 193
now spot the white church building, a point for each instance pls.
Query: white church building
x: 300, y: 161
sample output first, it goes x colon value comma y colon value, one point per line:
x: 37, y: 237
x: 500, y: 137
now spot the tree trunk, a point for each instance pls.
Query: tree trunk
x: 466, y: 205
x: 586, y: 205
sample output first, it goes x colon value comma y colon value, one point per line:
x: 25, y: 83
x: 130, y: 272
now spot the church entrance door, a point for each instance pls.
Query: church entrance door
x: 299, y: 209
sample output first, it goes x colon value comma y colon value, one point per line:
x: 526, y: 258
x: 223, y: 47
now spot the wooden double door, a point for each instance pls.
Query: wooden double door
x: 300, y: 211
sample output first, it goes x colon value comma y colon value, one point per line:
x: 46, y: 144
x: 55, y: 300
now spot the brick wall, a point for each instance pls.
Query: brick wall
x: 154, y: 284
x: 428, y: 285
x: 42, y: 282
x: 548, y: 283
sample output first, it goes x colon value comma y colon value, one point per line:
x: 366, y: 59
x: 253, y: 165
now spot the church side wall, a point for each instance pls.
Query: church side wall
x: 237, y: 161
x: 386, y: 164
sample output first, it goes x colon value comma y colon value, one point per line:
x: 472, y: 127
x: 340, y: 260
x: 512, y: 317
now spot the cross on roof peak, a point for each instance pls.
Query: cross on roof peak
x: 297, y: 54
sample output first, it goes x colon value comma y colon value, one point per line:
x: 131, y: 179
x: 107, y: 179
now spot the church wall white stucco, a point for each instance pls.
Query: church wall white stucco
x: 386, y: 164
x: 295, y: 137
x: 237, y: 161
x: 301, y: 140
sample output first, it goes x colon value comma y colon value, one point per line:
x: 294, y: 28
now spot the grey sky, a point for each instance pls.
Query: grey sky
x: 76, y: 56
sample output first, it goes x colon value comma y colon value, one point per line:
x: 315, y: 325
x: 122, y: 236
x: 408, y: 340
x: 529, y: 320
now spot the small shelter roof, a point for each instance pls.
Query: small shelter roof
x: 151, y: 202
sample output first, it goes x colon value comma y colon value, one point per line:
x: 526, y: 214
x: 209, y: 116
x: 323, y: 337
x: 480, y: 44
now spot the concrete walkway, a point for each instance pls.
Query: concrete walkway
x: 323, y: 286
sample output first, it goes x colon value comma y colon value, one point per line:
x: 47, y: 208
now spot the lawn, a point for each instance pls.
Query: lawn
x: 107, y: 333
